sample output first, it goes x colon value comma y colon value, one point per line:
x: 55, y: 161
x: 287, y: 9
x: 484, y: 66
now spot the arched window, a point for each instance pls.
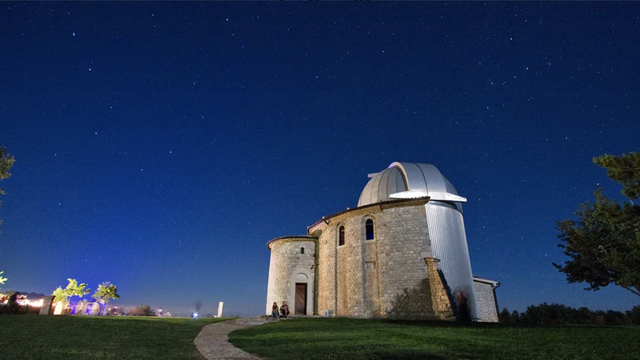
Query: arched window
x: 301, y: 250
x: 341, y: 236
x: 368, y: 225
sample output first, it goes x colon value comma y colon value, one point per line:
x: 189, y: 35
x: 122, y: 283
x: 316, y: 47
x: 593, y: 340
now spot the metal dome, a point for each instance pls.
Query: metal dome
x: 406, y: 181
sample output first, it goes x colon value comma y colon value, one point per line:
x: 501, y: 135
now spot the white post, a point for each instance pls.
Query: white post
x: 220, y: 305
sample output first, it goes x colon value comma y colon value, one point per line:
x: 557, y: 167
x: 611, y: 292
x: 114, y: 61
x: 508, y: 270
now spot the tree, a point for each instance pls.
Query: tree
x: 6, y: 162
x: 603, y: 242
x: 554, y: 314
x: 2, y: 279
x: 624, y: 169
x: 106, y: 291
x: 505, y: 316
x: 634, y: 315
x: 72, y: 289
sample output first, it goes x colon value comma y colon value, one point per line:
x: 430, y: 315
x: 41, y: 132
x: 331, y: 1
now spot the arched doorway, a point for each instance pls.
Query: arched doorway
x: 300, y: 305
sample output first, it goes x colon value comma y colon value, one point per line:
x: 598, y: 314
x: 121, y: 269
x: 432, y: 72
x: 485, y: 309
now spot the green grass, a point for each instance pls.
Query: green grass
x: 378, y: 339
x: 98, y: 337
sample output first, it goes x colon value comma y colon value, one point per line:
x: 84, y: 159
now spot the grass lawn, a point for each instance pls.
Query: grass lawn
x: 378, y: 339
x: 98, y: 337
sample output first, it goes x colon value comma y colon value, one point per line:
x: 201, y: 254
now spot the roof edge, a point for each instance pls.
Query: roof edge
x: 293, y: 237
x: 494, y: 283
x: 423, y: 199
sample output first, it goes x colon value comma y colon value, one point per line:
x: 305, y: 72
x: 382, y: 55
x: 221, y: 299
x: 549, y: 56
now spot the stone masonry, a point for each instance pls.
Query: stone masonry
x: 383, y: 277
x: 486, y: 300
x: 289, y: 265
x: 439, y: 294
x: 393, y: 272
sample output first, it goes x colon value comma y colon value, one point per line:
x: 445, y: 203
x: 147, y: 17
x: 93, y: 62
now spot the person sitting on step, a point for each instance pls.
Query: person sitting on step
x: 284, y: 309
x: 274, y: 310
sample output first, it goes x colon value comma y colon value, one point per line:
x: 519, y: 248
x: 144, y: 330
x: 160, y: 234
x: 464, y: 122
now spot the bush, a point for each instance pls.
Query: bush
x: 18, y: 309
x: 142, y: 310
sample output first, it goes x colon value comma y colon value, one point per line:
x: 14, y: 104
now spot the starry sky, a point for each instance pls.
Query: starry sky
x: 159, y: 146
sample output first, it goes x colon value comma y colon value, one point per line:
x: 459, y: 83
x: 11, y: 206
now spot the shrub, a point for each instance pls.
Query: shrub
x: 142, y: 310
x: 18, y: 309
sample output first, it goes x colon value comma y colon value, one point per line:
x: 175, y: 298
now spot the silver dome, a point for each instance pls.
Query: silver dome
x: 409, y: 180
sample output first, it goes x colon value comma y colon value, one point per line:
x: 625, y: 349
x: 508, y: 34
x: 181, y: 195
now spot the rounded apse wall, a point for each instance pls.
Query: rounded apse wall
x: 292, y: 262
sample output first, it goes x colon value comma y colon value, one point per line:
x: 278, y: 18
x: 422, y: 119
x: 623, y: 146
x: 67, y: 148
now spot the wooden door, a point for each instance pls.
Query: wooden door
x: 301, y: 299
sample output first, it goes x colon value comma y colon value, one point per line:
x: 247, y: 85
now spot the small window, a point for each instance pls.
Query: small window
x: 341, y: 236
x: 301, y: 250
x: 369, y: 228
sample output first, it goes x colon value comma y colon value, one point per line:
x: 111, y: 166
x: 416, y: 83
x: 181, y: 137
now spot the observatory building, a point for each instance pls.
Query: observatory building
x: 400, y: 254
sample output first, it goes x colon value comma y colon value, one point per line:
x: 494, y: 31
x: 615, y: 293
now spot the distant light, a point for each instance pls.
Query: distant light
x: 26, y: 302
x: 195, y: 315
x: 58, y: 309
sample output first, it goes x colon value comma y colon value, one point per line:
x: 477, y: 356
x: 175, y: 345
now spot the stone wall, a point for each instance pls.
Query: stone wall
x: 486, y: 301
x: 403, y: 237
x: 386, y: 276
x: 288, y: 266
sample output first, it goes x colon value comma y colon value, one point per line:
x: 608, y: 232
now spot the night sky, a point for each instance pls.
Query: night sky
x: 159, y: 146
